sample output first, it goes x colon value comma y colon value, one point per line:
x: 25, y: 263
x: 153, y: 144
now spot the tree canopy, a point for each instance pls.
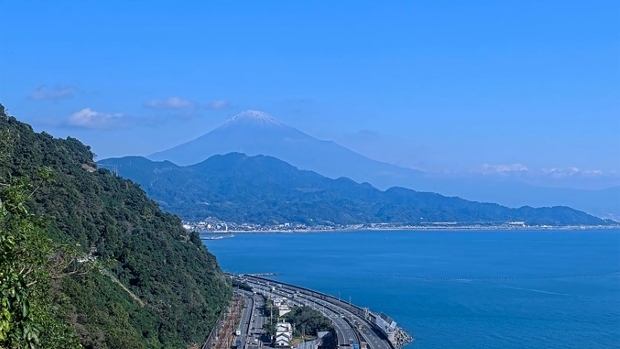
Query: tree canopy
x: 87, y: 259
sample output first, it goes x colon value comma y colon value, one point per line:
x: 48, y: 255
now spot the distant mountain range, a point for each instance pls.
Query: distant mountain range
x: 264, y: 190
x: 256, y: 133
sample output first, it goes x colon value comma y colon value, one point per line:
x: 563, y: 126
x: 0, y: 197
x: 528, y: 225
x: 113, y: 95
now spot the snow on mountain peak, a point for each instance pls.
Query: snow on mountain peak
x: 253, y: 116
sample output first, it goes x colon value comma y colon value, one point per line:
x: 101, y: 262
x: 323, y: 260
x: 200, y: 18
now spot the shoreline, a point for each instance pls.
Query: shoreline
x: 463, y: 228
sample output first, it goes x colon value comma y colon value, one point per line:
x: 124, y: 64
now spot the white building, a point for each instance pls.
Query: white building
x: 284, y: 335
x: 282, y: 304
x: 284, y: 309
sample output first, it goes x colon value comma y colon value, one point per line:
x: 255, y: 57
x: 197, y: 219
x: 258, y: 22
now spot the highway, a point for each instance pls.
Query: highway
x: 246, y: 316
x: 346, y: 325
x: 344, y: 316
x: 257, y: 334
x: 345, y: 333
x: 252, y: 321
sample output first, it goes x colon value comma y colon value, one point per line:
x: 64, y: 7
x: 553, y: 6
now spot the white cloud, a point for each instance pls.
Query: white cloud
x: 58, y: 92
x: 170, y: 103
x: 571, y: 171
x: 593, y: 172
x: 554, y: 173
x: 511, y: 168
x: 88, y: 118
x: 219, y: 104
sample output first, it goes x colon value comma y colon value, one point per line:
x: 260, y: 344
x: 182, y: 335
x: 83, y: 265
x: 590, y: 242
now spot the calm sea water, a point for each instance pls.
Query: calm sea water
x: 457, y: 289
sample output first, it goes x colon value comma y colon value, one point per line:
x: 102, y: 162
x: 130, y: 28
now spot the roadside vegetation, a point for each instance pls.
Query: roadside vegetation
x: 241, y: 285
x: 306, y: 321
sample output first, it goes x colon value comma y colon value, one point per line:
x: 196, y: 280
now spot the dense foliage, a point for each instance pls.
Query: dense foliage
x: 308, y: 321
x: 264, y: 190
x: 241, y: 285
x: 156, y: 285
x: 270, y: 310
x: 28, y: 318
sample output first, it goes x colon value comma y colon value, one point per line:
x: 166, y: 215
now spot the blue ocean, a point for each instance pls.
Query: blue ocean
x: 456, y: 289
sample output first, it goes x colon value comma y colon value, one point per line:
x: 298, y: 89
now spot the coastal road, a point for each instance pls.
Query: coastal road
x: 246, y: 317
x: 258, y: 320
x: 347, y: 324
x: 345, y: 333
x: 252, y: 320
x: 343, y: 316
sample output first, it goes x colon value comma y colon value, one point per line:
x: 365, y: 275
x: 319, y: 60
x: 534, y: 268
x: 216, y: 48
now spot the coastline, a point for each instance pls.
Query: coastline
x: 412, y: 228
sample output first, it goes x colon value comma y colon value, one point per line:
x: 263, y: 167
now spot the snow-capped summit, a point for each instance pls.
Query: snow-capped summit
x: 256, y: 133
x: 252, y: 116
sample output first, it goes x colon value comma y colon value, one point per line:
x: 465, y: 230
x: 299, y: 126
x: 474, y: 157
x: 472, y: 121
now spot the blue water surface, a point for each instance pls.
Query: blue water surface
x: 456, y: 289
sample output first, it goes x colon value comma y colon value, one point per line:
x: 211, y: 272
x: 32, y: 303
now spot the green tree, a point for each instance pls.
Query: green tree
x: 27, y: 316
x: 155, y: 284
x: 308, y: 321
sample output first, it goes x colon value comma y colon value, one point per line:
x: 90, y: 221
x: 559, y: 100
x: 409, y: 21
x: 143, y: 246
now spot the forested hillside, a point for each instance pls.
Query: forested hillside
x: 121, y: 273
x: 264, y: 190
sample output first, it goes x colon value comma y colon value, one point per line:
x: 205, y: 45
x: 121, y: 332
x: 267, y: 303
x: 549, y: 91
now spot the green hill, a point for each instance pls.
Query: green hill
x: 264, y: 190
x: 153, y: 285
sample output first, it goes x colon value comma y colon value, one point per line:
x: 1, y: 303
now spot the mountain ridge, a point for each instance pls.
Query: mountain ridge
x: 262, y: 189
x: 328, y: 158
x: 240, y: 134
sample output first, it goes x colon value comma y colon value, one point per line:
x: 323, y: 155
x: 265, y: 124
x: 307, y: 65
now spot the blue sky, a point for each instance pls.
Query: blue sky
x: 495, y: 86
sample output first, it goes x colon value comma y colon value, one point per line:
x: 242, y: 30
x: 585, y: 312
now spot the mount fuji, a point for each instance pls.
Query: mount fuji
x: 256, y: 133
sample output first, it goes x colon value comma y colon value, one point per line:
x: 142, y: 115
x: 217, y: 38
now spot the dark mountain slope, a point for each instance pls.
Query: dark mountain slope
x: 265, y: 190
x: 178, y: 287
x: 256, y: 133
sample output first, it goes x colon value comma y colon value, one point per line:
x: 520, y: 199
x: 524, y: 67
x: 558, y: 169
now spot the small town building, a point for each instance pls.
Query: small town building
x: 284, y: 335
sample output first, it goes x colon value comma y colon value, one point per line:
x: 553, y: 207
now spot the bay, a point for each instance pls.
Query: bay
x: 456, y: 289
